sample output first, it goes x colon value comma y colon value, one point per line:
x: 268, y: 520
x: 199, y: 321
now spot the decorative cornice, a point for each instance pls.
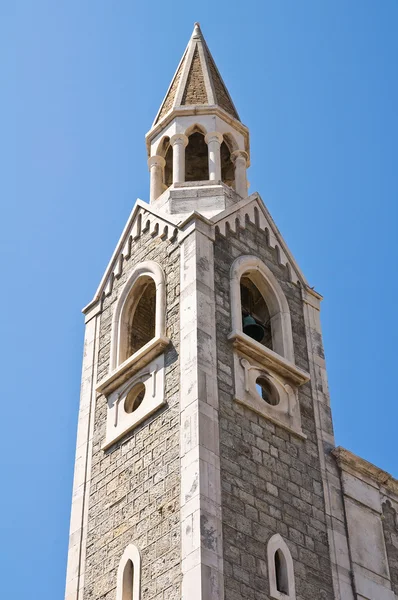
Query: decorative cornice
x: 348, y: 461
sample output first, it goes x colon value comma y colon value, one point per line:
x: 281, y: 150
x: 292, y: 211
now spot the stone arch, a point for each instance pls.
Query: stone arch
x: 195, y: 128
x: 280, y: 569
x: 128, y: 586
x: 265, y: 281
x: 196, y: 154
x: 146, y: 276
x: 165, y: 150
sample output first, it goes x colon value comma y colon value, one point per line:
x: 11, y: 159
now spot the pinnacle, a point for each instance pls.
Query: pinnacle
x: 197, y: 81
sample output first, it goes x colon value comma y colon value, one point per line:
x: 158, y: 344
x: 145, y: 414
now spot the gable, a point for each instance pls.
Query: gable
x: 254, y: 210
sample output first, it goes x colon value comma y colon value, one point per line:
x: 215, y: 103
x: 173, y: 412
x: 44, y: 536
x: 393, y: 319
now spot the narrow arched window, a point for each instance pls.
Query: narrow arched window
x: 128, y: 581
x: 129, y: 575
x: 196, y: 158
x: 280, y: 570
x: 282, y: 583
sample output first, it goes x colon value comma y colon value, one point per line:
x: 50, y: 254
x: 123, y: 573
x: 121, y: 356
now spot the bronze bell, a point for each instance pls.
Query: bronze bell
x: 252, y: 328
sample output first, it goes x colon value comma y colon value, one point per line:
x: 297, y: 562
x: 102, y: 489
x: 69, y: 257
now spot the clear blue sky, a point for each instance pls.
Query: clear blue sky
x: 81, y: 81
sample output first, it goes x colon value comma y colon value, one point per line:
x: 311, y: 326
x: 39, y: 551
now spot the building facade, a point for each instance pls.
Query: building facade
x: 206, y: 467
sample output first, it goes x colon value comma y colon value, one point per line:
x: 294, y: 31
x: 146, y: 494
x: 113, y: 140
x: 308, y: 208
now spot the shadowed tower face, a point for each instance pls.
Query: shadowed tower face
x: 203, y: 463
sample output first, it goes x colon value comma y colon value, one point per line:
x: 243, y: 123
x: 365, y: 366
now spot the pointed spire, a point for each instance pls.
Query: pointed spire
x: 197, y: 81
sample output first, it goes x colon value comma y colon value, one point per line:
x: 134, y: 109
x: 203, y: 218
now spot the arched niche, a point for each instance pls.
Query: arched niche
x: 280, y: 569
x: 139, y: 314
x: 251, y: 269
x: 128, y: 586
x: 196, y: 155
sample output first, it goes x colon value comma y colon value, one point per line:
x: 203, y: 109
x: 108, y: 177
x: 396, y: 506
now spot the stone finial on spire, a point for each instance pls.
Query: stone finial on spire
x: 197, y: 81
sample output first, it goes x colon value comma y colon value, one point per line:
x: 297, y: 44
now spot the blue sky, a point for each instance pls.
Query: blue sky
x: 81, y: 82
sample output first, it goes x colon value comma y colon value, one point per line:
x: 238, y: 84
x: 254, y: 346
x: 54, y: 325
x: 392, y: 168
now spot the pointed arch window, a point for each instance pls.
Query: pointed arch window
x: 196, y: 157
x: 280, y: 570
x: 255, y: 292
x: 139, y: 317
x: 128, y: 585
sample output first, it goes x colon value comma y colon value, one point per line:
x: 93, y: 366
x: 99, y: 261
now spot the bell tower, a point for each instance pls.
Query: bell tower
x: 197, y: 138
x: 204, y: 466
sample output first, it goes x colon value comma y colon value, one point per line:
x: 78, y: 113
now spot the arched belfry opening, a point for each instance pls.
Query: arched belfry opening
x: 256, y: 320
x: 196, y: 158
x: 227, y: 166
x: 143, y: 317
x: 165, y: 150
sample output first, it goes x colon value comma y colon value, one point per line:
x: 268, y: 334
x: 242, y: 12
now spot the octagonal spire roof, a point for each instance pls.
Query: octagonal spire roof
x: 197, y: 81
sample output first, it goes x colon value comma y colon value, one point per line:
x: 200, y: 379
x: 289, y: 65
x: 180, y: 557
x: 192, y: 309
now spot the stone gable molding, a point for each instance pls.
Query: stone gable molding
x: 352, y: 463
x: 143, y: 219
x: 253, y: 209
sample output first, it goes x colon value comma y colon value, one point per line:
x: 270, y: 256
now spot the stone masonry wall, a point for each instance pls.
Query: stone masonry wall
x: 135, y: 490
x: 271, y: 479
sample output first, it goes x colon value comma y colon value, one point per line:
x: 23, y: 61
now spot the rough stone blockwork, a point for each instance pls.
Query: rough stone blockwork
x: 271, y: 479
x: 135, y: 490
x: 390, y: 526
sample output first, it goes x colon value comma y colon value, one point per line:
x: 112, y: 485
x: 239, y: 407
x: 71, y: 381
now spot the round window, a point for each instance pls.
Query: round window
x: 267, y: 391
x: 134, y: 398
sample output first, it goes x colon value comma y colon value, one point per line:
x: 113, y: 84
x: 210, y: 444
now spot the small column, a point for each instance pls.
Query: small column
x: 214, y: 141
x: 156, y: 165
x: 179, y: 142
x: 239, y: 158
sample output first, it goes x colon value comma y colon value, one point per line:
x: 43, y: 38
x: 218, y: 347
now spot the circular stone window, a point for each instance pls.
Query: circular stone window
x: 267, y: 391
x: 134, y: 398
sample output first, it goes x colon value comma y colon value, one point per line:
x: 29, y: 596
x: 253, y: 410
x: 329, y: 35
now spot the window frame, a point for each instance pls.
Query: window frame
x: 277, y: 544
x: 271, y: 291
x: 132, y: 554
x: 126, y: 303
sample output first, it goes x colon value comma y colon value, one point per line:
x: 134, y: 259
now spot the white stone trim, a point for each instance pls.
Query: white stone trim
x: 267, y: 284
x: 286, y: 413
x: 332, y: 489
x: 131, y: 554
x: 118, y: 421
x: 201, y: 518
x: 81, y: 481
x: 127, y: 302
x: 274, y: 544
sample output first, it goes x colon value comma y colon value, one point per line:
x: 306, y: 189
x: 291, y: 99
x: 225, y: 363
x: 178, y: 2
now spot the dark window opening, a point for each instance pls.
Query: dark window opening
x: 282, y: 584
x: 227, y: 166
x: 254, y: 305
x: 142, y: 328
x: 267, y: 391
x: 134, y: 398
x: 168, y: 169
x: 196, y: 158
x: 128, y: 578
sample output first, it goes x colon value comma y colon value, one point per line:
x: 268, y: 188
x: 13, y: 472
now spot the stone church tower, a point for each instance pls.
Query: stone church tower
x: 206, y: 467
